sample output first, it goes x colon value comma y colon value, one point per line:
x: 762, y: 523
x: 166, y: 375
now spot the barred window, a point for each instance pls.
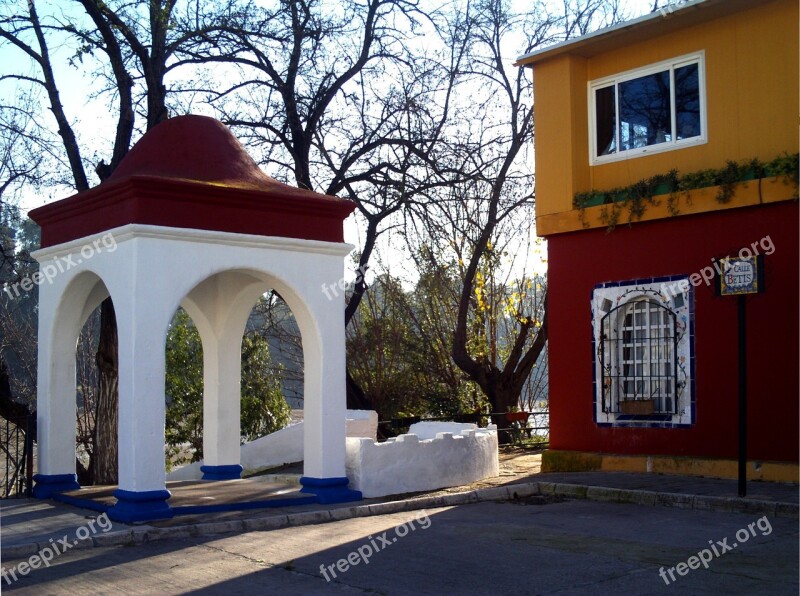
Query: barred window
x: 638, y: 353
x: 643, y: 353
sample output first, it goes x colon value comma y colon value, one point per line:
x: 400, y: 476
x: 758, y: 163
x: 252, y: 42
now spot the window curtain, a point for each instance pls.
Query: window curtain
x: 605, y: 120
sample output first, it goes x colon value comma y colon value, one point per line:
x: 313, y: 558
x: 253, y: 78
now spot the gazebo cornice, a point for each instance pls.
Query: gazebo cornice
x: 279, y: 211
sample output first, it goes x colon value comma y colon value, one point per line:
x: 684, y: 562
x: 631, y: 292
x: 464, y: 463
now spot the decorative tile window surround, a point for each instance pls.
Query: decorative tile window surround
x: 661, y: 303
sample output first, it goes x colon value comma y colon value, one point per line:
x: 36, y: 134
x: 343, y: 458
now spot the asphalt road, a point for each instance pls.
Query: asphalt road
x: 569, y: 547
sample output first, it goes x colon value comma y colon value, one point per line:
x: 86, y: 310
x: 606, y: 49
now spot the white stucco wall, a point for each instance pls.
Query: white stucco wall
x: 409, y: 464
x: 283, y: 447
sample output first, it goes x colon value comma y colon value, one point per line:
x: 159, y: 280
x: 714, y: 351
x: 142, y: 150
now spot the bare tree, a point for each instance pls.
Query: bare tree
x: 133, y: 46
x: 17, y: 350
x: 495, y: 187
x: 335, y: 98
x: 489, y: 206
x: 17, y: 311
x: 337, y: 101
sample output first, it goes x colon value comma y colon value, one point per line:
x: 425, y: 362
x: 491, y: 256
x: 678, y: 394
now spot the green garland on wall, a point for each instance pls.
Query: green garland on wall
x: 639, y: 195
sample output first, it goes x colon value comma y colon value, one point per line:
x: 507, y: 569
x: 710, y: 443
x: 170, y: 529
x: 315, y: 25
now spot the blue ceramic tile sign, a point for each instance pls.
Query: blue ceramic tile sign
x: 740, y: 275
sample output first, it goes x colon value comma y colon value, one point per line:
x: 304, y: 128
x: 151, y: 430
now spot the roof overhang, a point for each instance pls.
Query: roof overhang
x: 663, y: 21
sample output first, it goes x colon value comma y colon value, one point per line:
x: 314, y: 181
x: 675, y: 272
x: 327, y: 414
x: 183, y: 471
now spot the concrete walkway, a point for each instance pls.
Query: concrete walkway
x: 29, y: 525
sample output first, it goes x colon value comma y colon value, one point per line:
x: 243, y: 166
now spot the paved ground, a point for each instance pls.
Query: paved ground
x: 567, y: 547
x: 605, y: 541
x: 28, y: 524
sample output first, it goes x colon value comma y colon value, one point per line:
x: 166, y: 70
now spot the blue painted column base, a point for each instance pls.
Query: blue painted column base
x: 232, y: 472
x: 139, y: 506
x: 49, y: 484
x: 329, y: 490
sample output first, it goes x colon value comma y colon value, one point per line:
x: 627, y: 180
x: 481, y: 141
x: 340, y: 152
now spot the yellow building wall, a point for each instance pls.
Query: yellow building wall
x: 561, y: 132
x: 751, y: 64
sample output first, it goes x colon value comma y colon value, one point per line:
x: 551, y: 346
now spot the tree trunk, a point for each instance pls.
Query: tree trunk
x: 502, y: 401
x: 105, y: 460
x: 356, y: 398
x: 9, y: 409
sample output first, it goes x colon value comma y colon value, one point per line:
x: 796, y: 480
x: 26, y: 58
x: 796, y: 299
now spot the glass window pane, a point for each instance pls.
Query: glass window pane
x: 644, y: 111
x: 606, y: 120
x: 687, y: 101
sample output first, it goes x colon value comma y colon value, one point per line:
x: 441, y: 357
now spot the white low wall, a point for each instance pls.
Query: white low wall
x: 283, y: 447
x: 409, y: 464
x: 429, y: 430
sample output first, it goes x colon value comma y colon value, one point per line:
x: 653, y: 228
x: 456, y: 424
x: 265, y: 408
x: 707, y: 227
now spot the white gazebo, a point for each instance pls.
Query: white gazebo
x: 188, y: 219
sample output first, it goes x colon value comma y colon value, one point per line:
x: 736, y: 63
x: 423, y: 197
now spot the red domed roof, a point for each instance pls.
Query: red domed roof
x: 198, y: 149
x: 191, y: 172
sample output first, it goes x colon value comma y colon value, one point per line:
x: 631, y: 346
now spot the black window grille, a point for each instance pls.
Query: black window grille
x: 638, y: 356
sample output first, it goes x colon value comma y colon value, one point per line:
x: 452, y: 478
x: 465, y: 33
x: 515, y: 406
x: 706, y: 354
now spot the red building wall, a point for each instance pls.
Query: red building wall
x: 579, y: 261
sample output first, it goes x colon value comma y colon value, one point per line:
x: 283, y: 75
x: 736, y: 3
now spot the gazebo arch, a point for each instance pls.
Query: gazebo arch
x: 220, y: 306
x: 62, y: 314
x: 189, y: 220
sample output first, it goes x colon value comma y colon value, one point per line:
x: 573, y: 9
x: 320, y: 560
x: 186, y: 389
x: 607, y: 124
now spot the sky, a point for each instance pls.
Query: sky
x: 90, y: 116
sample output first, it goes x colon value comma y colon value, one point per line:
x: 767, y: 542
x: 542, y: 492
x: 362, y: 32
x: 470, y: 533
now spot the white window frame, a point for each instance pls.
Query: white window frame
x: 615, y: 80
x: 677, y: 295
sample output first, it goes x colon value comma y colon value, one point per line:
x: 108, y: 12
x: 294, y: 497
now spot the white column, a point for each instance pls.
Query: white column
x: 222, y: 373
x: 324, y: 408
x: 220, y: 307
x: 142, y: 335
